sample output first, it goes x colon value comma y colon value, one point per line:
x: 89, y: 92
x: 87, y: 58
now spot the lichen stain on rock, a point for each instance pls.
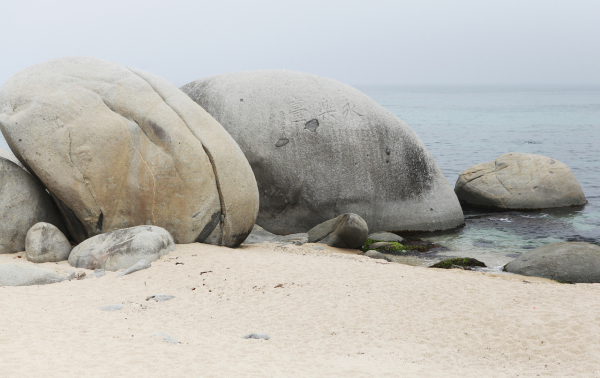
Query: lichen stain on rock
x: 312, y: 125
x: 159, y: 131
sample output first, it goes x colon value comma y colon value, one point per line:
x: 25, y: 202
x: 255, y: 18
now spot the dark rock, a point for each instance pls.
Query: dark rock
x: 571, y: 262
x: 140, y: 265
x: 459, y: 263
x: 344, y: 231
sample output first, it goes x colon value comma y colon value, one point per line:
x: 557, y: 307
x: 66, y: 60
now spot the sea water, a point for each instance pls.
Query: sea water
x: 463, y: 126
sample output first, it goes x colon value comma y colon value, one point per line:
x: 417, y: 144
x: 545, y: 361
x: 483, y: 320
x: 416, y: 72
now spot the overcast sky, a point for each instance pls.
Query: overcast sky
x: 357, y: 42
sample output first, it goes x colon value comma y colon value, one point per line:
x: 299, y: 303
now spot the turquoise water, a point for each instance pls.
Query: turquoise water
x: 463, y: 126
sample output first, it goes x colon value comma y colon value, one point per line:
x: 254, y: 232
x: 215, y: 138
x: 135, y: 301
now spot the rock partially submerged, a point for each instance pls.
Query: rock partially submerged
x: 519, y: 181
x: 320, y: 148
x: 23, y: 203
x: 122, y: 248
x: 25, y: 274
x: 117, y: 147
x: 571, y: 262
x: 344, y: 231
x: 45, y: 243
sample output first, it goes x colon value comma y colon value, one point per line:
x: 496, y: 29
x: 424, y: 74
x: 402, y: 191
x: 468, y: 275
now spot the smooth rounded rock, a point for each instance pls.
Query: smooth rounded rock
x: 118, y: 147
x: 344, y: 231
x: 45, y: 243
x: 377, y: 255
x: 122, y: 249
x: 519, y: 181
x: 571, y: 262
x: 23, y: 203
x: 320, y: 148
x: 26, y: 274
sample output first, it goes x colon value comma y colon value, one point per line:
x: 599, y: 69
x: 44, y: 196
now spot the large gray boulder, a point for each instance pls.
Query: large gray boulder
x: 44, y: 242
x: 122, y: 249
x: 519, y: 181
x: 344, y: 231
x: 118, y: 147
x: 572, y: 262
x: 24, y: 274
x: 23, y: 203
x: 319, y: 148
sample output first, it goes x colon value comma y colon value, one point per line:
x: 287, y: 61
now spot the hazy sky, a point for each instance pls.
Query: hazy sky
x: 357, y: 42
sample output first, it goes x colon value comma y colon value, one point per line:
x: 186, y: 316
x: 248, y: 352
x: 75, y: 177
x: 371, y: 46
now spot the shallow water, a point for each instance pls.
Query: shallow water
x: 463, y: 126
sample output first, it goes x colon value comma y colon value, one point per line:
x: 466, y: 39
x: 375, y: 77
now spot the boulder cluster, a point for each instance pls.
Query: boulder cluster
x: 113, y: 166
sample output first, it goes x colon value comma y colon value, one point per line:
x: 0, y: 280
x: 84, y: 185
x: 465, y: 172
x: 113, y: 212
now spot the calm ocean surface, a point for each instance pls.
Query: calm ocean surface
x: 463, y: 126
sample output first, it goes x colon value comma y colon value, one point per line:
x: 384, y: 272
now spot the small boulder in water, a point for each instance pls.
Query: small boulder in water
x: 519, y: 181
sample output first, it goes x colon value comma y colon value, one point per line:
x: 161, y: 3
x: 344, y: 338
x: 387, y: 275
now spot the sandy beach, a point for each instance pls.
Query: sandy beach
x: 328, y: 313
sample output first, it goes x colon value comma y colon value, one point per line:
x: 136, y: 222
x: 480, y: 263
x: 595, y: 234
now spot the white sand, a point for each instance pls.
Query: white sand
x: 329, y: 314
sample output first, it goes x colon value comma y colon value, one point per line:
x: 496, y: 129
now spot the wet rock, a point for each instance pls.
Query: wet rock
x: 376, y: 255
x: 344, y: 231
x: 519, y: 181
x: 45, y: 243
x: 140, y: 265
x: 386, y: 237
x: 23, y: 203
x: 122, y: 248
x: 571, y: 262
x: 118, y: 147
x: 459, y: 263
x: 320, y: 148
x: 26, y: 274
